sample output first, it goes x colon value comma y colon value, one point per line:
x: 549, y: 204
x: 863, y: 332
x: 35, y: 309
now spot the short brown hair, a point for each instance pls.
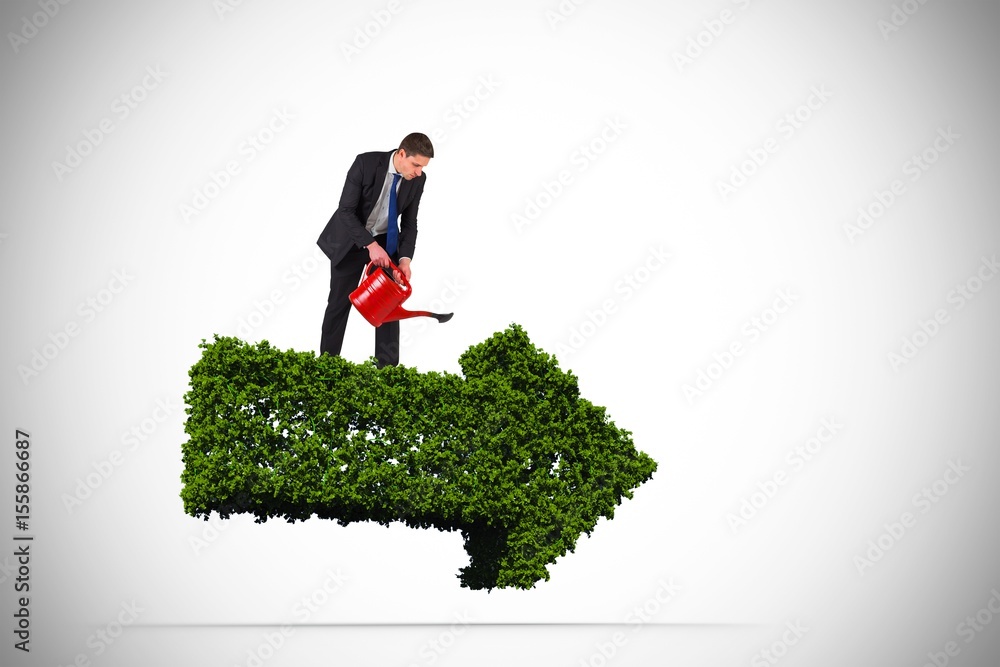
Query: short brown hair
x: 417, y: 144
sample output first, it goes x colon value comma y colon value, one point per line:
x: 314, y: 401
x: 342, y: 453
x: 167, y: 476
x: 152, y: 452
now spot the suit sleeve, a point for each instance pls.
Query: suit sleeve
x: 350, y: 201
x: 408, y: 222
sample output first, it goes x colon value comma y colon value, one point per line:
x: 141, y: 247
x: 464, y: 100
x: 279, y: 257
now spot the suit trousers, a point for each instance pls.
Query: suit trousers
x: 344, y: 278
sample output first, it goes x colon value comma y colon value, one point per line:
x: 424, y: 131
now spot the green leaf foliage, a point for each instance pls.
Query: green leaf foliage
x: 508, y: 453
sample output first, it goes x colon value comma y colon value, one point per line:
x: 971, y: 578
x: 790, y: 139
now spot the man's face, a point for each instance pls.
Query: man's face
x: 410, y: 166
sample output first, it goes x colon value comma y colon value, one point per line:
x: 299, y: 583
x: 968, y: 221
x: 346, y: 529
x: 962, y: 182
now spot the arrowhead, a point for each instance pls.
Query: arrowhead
x: 508, y: 453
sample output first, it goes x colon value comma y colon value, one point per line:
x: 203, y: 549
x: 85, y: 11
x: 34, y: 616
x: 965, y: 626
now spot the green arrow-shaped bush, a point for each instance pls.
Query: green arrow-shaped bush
x: 509, y: 454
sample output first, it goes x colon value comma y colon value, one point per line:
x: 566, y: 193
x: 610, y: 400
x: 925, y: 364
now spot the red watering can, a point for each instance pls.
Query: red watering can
x: 378, y: 298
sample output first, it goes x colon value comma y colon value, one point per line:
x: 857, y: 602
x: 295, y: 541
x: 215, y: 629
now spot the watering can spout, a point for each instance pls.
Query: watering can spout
x: 402, y: 314
x: 379, y: 298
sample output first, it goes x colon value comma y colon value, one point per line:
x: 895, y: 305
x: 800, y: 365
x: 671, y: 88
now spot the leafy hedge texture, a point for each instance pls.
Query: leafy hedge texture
x: 509, y: 454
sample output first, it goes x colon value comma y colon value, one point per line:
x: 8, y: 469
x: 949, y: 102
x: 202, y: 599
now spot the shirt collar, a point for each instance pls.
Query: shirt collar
x: 392, y: 163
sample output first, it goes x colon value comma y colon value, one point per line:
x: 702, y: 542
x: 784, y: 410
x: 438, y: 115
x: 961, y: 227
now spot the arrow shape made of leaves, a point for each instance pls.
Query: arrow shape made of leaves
x: 509, y: 454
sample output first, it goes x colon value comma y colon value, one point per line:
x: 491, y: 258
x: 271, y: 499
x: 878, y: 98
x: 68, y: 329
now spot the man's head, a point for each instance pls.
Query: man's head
x: 415, y: 151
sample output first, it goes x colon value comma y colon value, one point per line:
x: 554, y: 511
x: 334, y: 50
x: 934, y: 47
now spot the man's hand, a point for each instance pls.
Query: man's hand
x: 377, y: 254
x: 404, y: 268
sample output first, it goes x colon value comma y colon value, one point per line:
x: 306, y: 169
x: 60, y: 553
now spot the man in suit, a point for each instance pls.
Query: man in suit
x: 363, y: 229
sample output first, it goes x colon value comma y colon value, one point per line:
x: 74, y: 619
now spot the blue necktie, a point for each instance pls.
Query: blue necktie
x: 392, y: 232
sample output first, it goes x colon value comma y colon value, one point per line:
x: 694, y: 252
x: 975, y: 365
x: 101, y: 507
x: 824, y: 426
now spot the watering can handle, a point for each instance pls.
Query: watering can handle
x: 367, y: 272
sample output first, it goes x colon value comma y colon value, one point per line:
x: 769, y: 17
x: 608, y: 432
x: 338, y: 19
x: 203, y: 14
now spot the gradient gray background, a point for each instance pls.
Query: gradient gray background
x: 212, y: 594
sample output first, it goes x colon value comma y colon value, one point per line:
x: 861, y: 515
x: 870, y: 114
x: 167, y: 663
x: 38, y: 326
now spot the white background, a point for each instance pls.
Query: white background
x: 511, y: 93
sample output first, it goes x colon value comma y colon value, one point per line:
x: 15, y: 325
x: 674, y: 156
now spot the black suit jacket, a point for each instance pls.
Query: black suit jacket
x: 346, y: 228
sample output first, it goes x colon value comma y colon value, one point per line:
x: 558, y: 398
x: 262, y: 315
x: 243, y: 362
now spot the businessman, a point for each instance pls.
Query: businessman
x: 376, y: 221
